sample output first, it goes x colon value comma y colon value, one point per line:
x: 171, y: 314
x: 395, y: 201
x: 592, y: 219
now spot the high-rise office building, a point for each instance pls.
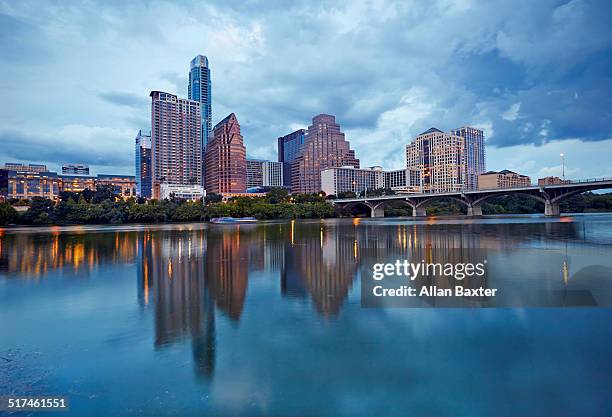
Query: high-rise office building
x: 324, y: 147
x: 176, y: 147
x: 438, y: 157
x: 254, y: 173
x: 200, y: 90
x: 272, y: 174
x: 447, y: 162
x: 288, y: 147
x: 226, y: 164
x: 474, y: 151
x: 143, y: 164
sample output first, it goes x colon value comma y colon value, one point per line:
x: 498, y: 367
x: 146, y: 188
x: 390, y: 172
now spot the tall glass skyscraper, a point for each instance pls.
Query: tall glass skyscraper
x: 288, y: 147
x: 475, y: 155
x: 200, y: 90
x: 143, y: 164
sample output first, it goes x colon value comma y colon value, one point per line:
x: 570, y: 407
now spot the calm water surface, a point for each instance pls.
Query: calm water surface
x: 216, y: 320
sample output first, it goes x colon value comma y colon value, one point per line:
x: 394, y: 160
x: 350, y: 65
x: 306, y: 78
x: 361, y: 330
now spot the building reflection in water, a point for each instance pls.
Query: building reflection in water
x: 189, y: 278
x: 34, y: 255
x: 171, y: 277
x: 319, y: 263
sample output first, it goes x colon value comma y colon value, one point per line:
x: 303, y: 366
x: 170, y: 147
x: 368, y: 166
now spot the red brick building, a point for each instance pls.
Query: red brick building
x: 226, y: 166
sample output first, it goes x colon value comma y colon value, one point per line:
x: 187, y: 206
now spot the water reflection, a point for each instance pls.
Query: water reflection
x: 243, y: 320
x: 33, y: 256
x: 190, y: 275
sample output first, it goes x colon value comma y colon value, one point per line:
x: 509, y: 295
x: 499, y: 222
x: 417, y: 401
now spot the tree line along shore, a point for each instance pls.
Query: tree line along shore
x: 102, y: 207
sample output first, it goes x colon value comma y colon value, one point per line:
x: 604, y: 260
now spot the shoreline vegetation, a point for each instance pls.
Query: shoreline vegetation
x: 102, y: 207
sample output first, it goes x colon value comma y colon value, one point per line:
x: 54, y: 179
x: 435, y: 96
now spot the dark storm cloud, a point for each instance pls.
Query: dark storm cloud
x: 17, y: 146
x: 528, y: 72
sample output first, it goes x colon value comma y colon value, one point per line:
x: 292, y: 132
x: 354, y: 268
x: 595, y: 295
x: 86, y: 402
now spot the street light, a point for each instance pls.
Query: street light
x: 563, y: 165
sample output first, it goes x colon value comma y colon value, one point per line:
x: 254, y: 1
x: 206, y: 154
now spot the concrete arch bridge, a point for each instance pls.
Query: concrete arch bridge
x: 550, y: 195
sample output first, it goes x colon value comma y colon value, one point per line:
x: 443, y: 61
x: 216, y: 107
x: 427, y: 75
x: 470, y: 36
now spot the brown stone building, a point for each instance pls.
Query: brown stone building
x: 226, y: 166
x: 502, y: 179
x: 324, y: 147
x: 552, y: 181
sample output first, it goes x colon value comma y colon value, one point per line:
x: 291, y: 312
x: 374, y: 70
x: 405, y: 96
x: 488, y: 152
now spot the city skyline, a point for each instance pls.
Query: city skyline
x: 533, y: 104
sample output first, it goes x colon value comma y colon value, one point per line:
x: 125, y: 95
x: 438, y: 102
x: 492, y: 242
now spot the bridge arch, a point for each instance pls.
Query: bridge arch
x: 480, y: 201
x: 563, y: 196
x: 376, y: 208
x: 424, y: 203
x: 355, y: 204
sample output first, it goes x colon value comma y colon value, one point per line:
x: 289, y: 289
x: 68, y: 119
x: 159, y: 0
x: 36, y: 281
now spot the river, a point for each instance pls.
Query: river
x: 266, y: 320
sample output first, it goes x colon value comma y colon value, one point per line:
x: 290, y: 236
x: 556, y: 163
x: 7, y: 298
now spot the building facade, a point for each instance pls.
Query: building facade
x: 185, y: 192
x: 474, y: 155
x: 226, y: 164
x: 17, y: 166
x: 288, y: 148
x: 123, y: 186
x: 143, y: 166
x: 502, y: 179
x: 200, y: 90
x: 358, y: 180
x: 446, y: 162
x: 343, y: 179
x: 403, y: 181
x: 438, y: 157
x: 3, y: 184
x: 254, y: 173
x: 272, y: 174
x: 552, y: 181
x: 324, y: 147
x: 28, y: 184
x: 74, y: 169
x: 77, y: 183
x: 176, y: 144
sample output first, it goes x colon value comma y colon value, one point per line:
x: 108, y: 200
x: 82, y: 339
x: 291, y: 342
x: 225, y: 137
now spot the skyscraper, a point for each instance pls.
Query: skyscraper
x: 447, y: 162
x: 324, y: 147
x: 288, y: 147
x: 176, y: 147
x: 226, y: 166
x: 200, y: 90
x: 475, y: 156
x: 143, y: 164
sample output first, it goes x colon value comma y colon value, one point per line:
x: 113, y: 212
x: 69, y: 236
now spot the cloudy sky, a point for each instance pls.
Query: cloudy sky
x: 536, y: 76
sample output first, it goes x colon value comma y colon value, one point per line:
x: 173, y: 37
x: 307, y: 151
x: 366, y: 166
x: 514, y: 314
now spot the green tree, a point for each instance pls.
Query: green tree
x: 277, y: 195
x: 8, y: 215
x: 40, y: 211
x: 213, y: 198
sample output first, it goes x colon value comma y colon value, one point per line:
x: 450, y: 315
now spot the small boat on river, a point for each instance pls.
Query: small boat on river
x: 233, y: 220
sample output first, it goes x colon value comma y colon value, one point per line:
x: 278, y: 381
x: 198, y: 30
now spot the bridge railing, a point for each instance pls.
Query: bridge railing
x: 602, y: 179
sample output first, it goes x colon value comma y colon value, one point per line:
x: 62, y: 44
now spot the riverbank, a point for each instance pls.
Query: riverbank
x: 75, y: 209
